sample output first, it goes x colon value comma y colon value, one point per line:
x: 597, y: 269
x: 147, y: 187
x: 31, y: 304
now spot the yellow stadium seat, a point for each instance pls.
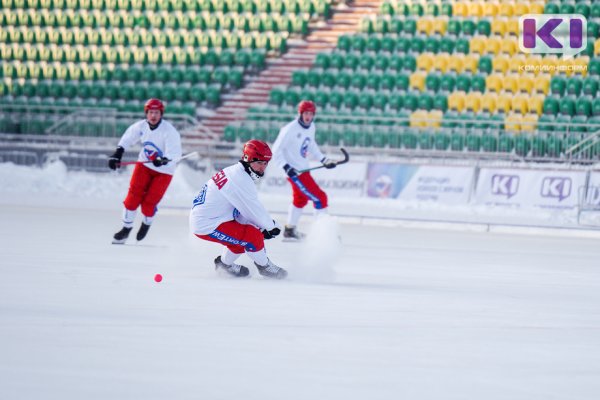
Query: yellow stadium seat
x: 508, y: 46
x: 529, y: 122
x: 470, y: 64
x: 440, y: 26
x: 424, y: 62
x: 503, y: 103
x: 500, y: 64
x: 475, y: 9
x: 490, y: 9
x: 536, y: 8
x: 488, y: 102
x: 440, y: 63
x: 493, y: 83
x: 498, y: 27
x: 512, y: 27
x: 597, y: 47
x: 541, y: 84
x: 536, y: 104
x: 456, y: 101
x: 455, y: 63
x: 512, y: 122
x: 580, y: 65
x: 492, y: 46
x: 510, y: 83
x: 460, y: 9
x: 477, y: 45
x: 424, y: 26
x: 506, y: 10
x: 525, y: 84
x: 518, y: 65
x: 418, y: 119
x: 435, y: 118
x: 417, y: 81
x: 520, y: 8
x: 533, y: 63
x: 473, y: 101
x: 520, y: 104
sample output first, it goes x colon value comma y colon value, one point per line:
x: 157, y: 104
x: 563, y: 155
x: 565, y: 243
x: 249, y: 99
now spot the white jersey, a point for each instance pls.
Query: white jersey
x: 164, y: 141
x: 294, y: 143
x: 230, y: 194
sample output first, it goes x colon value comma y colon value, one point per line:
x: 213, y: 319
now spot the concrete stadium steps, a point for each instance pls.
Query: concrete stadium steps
x: 323, y: 37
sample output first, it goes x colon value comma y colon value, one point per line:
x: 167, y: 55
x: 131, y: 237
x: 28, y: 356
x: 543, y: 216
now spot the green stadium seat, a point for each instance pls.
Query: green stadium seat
x: 441, y: 141
x: 594, y: 10
x: 539, y: 146
x: 551, y: 8
x: 573, y: 86
x: 522, y: 145
x: 468, y: 27
x: 567, y: 106
x: 555, y: 146
x: 506, y: 143
x: 409, y: 140
x: 558, y: 86
x: 484, y: 27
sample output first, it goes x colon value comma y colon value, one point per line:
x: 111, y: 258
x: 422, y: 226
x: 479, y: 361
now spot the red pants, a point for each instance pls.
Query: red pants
x: 237, y: 237
x: 146, y: 188
x: 304, y: 188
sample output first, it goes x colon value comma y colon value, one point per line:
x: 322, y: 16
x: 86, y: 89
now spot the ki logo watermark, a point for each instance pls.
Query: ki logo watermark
x: 505, y: 185
x: 557, y: 187
x: 564, y: 34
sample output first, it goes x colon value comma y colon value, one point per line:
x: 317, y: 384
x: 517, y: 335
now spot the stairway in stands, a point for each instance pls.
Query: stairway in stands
x: 301, y: 54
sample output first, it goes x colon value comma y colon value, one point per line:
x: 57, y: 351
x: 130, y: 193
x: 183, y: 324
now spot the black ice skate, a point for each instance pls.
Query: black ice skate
x: 291, y: 233
x: 121, y: 236
x: 239, y: 271
x: 141, y: 234
x: 271, y: 270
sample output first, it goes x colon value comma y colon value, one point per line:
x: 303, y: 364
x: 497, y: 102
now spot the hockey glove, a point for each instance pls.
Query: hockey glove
x: 290, y: 171
x: 271, y: 234
x: 114, y: 161
x: 328, y: 163
x: 160, y: 161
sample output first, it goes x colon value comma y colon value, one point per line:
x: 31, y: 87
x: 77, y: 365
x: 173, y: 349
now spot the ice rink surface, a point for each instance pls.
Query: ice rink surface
x: 402, y: 314
x: 391, y: 311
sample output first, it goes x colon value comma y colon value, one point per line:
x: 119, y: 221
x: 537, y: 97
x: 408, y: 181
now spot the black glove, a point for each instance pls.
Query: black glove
x: 328, y: 163
x: 160, y: 161
x: 290, y: 171
x: 114, y: 161
x: 271, y: 234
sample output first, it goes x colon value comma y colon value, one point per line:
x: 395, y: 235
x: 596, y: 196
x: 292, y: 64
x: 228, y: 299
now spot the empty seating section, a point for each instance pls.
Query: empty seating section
x: 118, y: 53
x: 447, y: 75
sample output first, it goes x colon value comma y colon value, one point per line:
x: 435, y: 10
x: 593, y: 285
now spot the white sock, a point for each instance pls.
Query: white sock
x: 294, y: 214
x: 320, y: 212
x: 259, y: 257
x: 148, y: 220
x: 228, y: 257
x: 128, y: 217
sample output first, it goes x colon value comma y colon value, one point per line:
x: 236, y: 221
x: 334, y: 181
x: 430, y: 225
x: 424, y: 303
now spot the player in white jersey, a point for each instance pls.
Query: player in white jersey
x: 227, y: 211
x: 294, y: 144
x: 161, y: 144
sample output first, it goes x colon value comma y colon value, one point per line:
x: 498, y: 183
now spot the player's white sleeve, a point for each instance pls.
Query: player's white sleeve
x: 173, y: 145
x: 130, y: 137
x: 279, y: 148
x: 314, y: 151
x: 247, y: 203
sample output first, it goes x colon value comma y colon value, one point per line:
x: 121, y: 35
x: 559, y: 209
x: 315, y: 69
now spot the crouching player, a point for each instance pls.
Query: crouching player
x: 227, y: 211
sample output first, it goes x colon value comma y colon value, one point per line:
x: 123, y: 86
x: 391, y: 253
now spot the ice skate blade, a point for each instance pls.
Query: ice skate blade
x: 122, y: 241
x: 291, y: 240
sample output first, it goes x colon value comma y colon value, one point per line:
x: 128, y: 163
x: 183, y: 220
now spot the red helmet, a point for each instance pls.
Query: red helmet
x: 256, y: 150
x: 154, y: 104
x: 306, y: 105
